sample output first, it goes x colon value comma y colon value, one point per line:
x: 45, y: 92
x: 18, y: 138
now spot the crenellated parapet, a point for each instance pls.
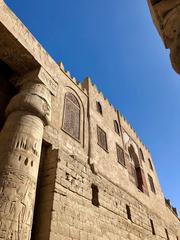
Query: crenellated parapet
x: 73, y: 79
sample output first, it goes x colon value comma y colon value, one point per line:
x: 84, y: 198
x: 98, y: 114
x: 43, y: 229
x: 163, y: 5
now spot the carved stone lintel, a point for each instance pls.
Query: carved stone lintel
x: 39, y: 76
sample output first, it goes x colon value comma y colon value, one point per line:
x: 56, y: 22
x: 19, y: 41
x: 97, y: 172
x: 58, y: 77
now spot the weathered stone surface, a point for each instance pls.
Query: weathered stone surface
x: 79, y: 188
x: 166, y: 16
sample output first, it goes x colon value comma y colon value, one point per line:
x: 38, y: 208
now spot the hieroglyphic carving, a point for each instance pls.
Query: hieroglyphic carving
x: 22, y: 141
x: 16, y: 202
x: 20, y: 147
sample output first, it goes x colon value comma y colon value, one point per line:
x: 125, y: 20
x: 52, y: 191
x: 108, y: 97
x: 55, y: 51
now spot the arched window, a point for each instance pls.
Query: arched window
x: 136, y: 171
x: 99, y: 107
x: 71, y: 121
x: 141, y: 155
x: 116, y: 126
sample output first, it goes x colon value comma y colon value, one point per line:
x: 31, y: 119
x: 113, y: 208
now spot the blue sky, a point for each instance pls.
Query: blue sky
x: 115, y: 43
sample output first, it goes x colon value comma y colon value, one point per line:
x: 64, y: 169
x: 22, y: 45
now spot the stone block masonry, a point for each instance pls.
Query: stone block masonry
x: 71, y: 166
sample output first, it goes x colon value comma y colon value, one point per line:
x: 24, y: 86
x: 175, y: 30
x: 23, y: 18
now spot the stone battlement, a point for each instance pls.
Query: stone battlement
x: 71, y: 166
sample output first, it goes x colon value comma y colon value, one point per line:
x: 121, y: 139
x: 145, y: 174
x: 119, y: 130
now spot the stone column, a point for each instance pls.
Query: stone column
x: 166, y: 17
x: 20, y: 149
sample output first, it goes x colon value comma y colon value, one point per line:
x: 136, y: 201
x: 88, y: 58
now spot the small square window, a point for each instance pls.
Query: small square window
x: 128, y: 211
x: 167, y: 234
x: 99, y: 108
x: 95, y: 195
x: 116, y: 127
x: 152, y: 227
x: 102, y: 139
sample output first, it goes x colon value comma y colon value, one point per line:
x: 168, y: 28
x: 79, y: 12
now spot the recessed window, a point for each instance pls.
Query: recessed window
x: 136, y: 171
x: 150, y: 164
x: 128, y: 211
x: 167, y: 234
x: 116, y: 127
x: 95, y: 195
x: 151, y: 182
x: 141, y: 155
x: 177, y: 238
x: 102, y: 139
x: 99, y: 108
x: 152, y: 227
x: 71, y: 120
x: 120, y: 155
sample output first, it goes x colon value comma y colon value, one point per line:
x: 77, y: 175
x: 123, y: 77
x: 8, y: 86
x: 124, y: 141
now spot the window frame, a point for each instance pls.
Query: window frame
x: 128, y: 212
x: 151, y: 183
x: 95, y: 195
x: 64, y: 112
x: 141, y: 155
x: 100, y: 129
x: 167, y: 234
x: 152, y: 227
x: 150, y: 164
x: 117, y: 146
x: 99, y: 108
x: 116, y: 127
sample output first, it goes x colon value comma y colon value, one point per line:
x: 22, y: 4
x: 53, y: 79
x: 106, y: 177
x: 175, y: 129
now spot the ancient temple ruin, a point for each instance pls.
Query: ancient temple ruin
x: 71, y: 166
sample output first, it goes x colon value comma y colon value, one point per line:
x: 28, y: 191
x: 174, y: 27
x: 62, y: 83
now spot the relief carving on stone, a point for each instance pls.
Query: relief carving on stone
x: 24, y: 142
x: 16, y: 202
x: 20, y: 148
x: 35, y: 98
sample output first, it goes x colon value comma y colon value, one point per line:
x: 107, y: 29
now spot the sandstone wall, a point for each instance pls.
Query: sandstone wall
x: 83, y: 193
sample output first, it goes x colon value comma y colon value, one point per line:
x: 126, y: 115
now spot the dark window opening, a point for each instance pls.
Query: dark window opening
x: 167, y: 234
x: 151, y: 182
x: 120, y: 155
x: 95, y: 195
x: 150, y: 164
x: 152, y: 227
x: 141, y: 155
x: 177, y: 238
x: 71, y: 121
x: 102, y: 139
x: 99, y: 107
x: 128, y: 211
x: 136, y: 171
x: 116, y: 127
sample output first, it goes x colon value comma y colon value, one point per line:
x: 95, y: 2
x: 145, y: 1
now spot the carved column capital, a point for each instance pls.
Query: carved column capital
x: 34, y: 96
x: 166, y: 16
x: 20, y: 151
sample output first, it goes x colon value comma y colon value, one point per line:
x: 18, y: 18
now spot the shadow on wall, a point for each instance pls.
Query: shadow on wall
x: 7, y: 90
